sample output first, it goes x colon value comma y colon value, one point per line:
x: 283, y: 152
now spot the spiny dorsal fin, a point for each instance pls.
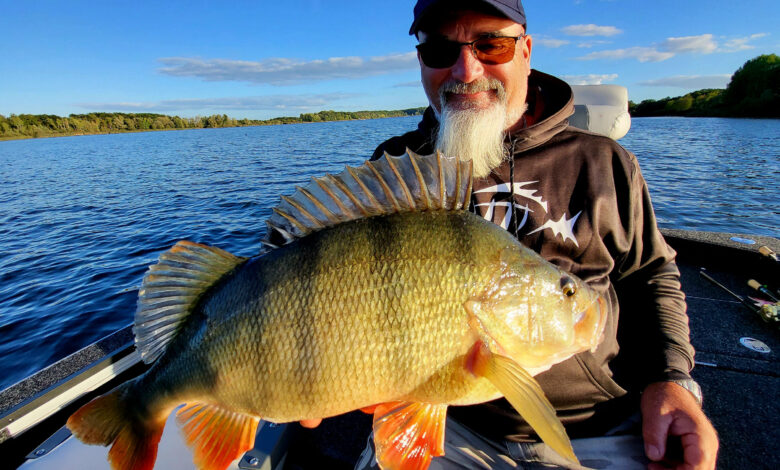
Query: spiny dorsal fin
x: 405, y: 183
x: 170, y: 290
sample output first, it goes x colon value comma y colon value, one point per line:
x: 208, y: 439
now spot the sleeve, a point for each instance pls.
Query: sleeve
x: 653, y: 327
x: 419, y: 140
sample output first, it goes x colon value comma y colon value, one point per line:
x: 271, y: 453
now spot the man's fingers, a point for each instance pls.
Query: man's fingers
x: 655, y: 433
x: 310, y: 423
x: 692, y: 449
x: 700, y: 446
x: 670, y: 415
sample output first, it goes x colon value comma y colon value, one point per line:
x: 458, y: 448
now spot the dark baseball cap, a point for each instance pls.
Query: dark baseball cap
x: 512, y: 9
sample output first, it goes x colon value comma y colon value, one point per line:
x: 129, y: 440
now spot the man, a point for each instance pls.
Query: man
x: 580, y: 201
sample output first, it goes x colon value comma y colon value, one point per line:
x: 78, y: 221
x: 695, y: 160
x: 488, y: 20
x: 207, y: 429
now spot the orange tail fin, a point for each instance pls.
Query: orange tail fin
x: 108, y: 420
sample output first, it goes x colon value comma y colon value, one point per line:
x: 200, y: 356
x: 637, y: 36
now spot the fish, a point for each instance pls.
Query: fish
x: 379, y: 291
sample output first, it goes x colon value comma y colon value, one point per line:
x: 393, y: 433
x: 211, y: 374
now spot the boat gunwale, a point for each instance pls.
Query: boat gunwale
x: 54, y: 381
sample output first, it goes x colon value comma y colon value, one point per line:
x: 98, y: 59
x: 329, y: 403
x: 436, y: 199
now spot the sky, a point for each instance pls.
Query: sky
x: 267, y: 58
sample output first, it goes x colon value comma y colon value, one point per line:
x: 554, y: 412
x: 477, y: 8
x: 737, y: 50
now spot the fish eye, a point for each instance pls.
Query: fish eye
x: 567, y: 286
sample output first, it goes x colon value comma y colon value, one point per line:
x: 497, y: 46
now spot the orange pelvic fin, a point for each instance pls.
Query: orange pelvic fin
x: 408, y: 435
x: 107, y: 420
x: 217, y: 436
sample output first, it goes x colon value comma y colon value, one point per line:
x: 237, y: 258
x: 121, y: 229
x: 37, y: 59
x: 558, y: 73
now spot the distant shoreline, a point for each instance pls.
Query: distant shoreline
x: 81, y: 134
x: 34, y: 126
x: 78, y: 134
x: 138, y: 131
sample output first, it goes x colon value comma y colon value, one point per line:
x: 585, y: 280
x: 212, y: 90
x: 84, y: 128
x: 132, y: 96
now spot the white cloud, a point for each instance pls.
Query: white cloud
x: 642, y: 54
x: 414, y: 84
x: 670, y: 47
x: 552, y: 43
x: 741, y: 44
x: 703, y: 44
x: 591, y: 30
x: 590, y: 79
x: 281, y: 71
x: 590, y: 44
x: 255, y: 103
x: 693, y: 82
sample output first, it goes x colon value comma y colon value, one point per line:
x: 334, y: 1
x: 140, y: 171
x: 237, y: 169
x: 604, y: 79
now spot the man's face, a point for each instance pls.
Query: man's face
x: 466, y: 26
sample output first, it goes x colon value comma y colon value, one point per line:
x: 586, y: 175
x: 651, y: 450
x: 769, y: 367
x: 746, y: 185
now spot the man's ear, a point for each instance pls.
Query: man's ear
x: 527, y: 46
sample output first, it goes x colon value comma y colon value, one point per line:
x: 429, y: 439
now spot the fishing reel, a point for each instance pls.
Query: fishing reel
x: 770, y: 313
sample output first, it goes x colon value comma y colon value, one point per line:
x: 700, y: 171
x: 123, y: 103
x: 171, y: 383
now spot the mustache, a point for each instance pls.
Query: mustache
x: 484, y: 84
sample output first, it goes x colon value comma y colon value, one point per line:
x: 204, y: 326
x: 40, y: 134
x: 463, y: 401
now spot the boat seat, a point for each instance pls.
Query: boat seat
x: 602, y: 109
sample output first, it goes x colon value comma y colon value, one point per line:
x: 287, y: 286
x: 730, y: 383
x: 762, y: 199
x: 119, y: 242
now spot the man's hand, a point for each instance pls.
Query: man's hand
x: 670, y: 412
x: 313, y: 423
x: 310, y: 423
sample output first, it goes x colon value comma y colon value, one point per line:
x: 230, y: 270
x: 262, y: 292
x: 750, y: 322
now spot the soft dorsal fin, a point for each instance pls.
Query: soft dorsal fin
x: 170, y: 290
x: 408, y: 182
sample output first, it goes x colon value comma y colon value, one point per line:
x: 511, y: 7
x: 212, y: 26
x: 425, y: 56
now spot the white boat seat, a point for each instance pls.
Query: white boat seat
x: 602, y: 109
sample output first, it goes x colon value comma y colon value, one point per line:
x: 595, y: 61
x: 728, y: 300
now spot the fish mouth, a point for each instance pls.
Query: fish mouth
x: 590, y: 324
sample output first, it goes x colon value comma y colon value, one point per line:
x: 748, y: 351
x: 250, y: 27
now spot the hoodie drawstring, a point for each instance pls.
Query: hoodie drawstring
x: 512, y: 142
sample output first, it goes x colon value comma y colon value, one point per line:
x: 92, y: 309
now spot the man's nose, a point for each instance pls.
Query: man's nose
x: 468, y: 67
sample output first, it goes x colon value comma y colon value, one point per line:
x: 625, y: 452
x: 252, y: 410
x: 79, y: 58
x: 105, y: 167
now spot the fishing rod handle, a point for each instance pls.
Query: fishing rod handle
x: 766, y: 251
x: 763, y: 289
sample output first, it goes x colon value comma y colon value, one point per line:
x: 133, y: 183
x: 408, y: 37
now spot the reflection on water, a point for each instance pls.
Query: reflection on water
x: 81, y: 218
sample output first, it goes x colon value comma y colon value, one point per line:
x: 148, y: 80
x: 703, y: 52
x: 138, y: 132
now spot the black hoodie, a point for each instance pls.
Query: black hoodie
x: 580, y: 201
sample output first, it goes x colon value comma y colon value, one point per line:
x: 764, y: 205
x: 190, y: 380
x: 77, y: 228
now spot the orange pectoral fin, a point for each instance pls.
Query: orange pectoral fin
x: 216, y: 435
x: 408, y: 435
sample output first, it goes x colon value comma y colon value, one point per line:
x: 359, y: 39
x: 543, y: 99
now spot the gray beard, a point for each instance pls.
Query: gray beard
x: 475, y: 133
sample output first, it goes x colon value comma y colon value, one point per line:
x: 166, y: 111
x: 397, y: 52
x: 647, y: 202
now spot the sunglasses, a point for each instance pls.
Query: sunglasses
x: 441, y: 53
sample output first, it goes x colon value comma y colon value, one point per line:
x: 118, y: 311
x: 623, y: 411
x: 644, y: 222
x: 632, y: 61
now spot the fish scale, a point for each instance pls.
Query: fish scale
x: 400, y: 314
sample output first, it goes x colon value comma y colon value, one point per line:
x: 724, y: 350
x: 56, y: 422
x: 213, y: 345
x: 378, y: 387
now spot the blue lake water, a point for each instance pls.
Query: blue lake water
x: 81, y: 218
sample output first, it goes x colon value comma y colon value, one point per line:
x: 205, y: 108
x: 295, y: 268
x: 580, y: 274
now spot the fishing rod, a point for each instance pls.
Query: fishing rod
x: 768, y: 313
x: 769, y: 253
x: 763, y: 289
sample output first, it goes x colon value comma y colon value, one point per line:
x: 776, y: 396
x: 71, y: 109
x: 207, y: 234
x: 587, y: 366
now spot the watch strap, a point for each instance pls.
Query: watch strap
x: 692, y: 386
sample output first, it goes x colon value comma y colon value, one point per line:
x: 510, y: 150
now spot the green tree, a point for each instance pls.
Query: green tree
x: 754, y: 89
x: 680, y: 104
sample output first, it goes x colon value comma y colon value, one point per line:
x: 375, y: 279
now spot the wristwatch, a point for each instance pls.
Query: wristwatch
x: 691, y: 386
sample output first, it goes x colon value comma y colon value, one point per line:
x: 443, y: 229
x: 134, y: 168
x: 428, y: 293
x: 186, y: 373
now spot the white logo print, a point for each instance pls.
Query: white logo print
x: 519, y: 191
x: 562, y: 226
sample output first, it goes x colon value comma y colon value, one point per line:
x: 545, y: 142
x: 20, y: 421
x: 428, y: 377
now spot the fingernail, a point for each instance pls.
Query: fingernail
x: 653, y: 452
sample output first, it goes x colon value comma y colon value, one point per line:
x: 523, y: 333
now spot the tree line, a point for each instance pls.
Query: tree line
x: 18, y: 126
x: 754, y: 91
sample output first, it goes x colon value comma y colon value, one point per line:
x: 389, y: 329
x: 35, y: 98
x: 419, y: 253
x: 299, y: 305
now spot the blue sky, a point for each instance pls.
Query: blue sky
x: 261, y: 59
